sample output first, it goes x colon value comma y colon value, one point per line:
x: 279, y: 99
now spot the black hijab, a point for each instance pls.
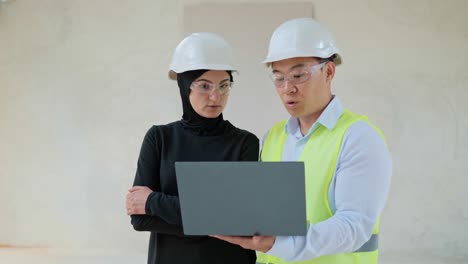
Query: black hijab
x: 191, y: 120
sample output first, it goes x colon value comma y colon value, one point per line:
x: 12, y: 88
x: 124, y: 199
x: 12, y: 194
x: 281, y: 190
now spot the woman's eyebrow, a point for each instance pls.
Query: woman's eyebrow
x: 205, y: 80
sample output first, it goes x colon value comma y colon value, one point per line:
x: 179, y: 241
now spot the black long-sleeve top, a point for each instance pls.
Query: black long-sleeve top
x: 162, y: 146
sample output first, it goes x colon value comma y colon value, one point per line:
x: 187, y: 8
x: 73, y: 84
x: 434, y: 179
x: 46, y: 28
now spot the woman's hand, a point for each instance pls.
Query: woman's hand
x: 136, y: 200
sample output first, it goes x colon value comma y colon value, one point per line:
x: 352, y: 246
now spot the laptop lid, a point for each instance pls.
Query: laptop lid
x: 242, y: 198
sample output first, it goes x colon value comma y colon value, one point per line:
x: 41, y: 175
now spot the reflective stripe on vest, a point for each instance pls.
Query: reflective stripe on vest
x: 320, y: 156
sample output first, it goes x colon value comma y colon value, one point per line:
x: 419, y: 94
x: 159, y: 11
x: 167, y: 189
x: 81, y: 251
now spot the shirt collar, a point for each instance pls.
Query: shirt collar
x: 328, y: 118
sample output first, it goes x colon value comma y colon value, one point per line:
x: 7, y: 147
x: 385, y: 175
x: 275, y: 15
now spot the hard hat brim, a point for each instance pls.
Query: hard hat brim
x: 217, y: 67
x: 269, y: 60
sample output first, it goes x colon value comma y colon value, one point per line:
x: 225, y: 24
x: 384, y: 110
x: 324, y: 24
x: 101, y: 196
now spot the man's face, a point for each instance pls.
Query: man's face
x: 303, y: 85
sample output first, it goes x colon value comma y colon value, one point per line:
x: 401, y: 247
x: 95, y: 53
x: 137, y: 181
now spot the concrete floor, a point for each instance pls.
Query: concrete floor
x: 48, y: 256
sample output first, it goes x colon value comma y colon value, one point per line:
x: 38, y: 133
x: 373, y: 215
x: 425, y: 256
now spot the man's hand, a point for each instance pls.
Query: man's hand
x: 136, y: 200
x: 259, y: 243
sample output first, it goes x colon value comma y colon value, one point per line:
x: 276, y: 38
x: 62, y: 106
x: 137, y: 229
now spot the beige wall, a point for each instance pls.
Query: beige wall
x: 81, y: 81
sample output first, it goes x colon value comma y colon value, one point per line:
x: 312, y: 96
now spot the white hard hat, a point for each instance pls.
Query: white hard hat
x: 199, y: 51
x: 301, y: 37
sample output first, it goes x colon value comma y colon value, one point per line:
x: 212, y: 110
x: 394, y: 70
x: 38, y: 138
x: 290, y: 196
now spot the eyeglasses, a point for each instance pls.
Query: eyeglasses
x: 205, y: 87
x: 296, y: 76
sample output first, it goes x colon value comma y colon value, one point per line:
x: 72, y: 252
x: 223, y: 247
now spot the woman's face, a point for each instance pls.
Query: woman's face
x: 209, y: 93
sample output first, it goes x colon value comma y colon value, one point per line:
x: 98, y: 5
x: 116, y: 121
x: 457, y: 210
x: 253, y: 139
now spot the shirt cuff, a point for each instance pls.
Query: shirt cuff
x: 148, y: 207
x: 283, y: 247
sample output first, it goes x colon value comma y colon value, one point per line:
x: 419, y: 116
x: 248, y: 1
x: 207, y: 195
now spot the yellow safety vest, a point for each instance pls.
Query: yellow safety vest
x: 320, y: 155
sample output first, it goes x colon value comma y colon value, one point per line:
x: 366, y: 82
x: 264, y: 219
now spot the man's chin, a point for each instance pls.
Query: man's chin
x: 293, y: 112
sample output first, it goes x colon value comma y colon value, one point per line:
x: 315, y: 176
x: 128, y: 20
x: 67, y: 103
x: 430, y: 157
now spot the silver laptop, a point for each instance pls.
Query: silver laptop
x: 242, y: 198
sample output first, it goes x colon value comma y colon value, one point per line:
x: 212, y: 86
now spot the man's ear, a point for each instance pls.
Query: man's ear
x: 330, y: 70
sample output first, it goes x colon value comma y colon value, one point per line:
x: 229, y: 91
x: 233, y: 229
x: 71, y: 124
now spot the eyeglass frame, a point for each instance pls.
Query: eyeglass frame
x: 310, y: 70
x: 212, y: 87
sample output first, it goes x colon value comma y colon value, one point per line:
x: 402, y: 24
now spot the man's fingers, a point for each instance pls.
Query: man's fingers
x: 256, y: 239
x: 260, y: 243
x: 241, y: 241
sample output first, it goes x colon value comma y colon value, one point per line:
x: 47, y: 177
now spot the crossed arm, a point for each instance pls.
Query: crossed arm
x: 150, y: 209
